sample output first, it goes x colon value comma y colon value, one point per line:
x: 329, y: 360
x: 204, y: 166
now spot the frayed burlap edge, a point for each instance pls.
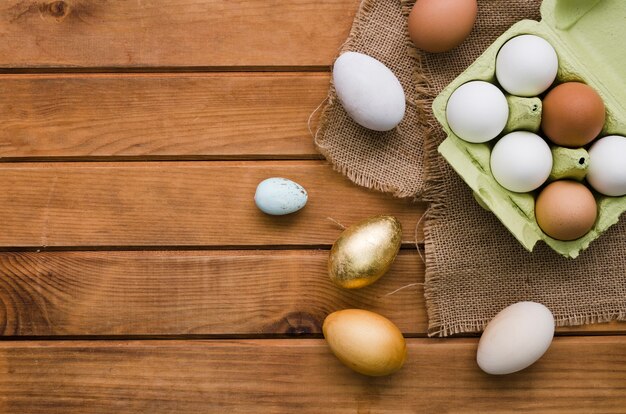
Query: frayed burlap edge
x: 420, y: 82
x: 479, y: 325
x: 434, y: 191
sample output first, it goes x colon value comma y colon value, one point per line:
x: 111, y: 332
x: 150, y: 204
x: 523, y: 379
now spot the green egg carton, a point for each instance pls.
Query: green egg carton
x: 589, y: 37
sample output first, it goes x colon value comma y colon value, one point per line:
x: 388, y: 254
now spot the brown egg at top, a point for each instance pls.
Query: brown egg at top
x: 441, y: 25
x: 573, y: 114
x: 566, y: 210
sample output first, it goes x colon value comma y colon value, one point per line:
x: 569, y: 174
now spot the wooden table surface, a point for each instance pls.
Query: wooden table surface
x: 137, y: 275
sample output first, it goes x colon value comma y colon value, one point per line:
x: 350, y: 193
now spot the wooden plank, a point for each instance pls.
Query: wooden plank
x: 121, y: 33
x: 577, y: 375
x: 226, y: 293
x: 179, y: 204
x: 214, y: 115
x: 202, y: 293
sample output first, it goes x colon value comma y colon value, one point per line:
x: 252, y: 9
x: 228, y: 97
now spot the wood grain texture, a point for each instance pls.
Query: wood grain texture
x: 121, y: 33
x: 301, y: 376
x: 225, y: 293
x: 179, y: 204
x: 223, y: 115
x: 202, y: 293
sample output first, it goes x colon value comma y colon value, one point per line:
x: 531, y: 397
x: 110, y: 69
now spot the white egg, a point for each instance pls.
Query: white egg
x: 477, y: 111
x: 607, y: 166
x: 521, y: 161
x: 515, y: 338
x: 279, y: 196
x: 369, y: 92
x: 526, y: 65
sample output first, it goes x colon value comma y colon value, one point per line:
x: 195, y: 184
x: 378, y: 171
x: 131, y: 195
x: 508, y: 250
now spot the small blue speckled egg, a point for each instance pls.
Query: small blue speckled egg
x: 279, y: 196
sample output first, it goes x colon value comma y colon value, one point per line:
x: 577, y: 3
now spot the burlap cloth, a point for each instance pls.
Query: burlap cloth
x: 474, y: 266
x: 386, y: 161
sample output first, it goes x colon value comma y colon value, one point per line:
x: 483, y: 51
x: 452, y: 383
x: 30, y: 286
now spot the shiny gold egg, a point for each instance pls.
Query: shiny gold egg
x: 364, y: 252
x: 364, y: 341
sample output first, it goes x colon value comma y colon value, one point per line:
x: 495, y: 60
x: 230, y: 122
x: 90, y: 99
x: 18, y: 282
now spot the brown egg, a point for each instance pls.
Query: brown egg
x: 441, y: 25
x: 573, y: 114
x: 566, y: 210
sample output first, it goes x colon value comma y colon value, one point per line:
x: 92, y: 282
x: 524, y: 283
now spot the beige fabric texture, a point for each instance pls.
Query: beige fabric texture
x: 474, y: 266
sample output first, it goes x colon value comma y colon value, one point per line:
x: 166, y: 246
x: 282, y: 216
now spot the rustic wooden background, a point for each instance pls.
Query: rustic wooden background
x: 136, y: 274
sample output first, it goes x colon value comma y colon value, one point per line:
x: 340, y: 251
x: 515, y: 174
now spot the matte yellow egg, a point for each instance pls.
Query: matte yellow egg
x: 364, y: 252
x: 366, y: 342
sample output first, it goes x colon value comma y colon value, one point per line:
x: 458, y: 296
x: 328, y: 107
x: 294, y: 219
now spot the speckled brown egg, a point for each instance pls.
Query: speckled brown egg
x: 573, y: 114
x: 566, y: 210
x: 441, y: 25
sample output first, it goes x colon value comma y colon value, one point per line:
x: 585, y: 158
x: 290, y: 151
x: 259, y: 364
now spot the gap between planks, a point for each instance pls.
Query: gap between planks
x: 173, y: 70
x: 84, y: 73
x: 560, y: 332
x: 162, y: 158
x: 405, y: 246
